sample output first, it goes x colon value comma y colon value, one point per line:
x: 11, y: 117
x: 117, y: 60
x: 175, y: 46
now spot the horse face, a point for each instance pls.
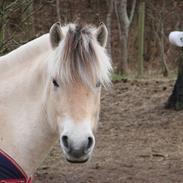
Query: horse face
x: 77, y: 112
x: 74, y: 94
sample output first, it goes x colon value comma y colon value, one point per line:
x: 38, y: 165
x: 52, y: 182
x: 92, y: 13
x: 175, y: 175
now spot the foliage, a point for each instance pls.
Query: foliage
x: 16, y: 24
x: 118, y: 77
x: 23, y: 20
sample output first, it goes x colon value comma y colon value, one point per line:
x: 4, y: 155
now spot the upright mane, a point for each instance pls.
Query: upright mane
x: 80, y: 58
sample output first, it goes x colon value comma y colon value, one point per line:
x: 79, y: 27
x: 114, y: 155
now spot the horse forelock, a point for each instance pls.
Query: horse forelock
x: 81, y: 59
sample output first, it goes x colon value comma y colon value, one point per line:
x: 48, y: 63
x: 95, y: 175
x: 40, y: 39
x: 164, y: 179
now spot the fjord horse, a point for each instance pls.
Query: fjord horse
x: 49, y: 89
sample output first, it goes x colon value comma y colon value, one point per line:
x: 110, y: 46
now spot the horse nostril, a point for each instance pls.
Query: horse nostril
x: 65, y: 141
x: 90, y: 143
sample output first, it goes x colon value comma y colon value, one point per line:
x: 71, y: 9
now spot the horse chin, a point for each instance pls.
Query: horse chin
x: 77, y: 161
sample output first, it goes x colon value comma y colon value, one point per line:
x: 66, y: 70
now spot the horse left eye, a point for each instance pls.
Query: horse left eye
x: 55, y: 83
x: 98, y: 84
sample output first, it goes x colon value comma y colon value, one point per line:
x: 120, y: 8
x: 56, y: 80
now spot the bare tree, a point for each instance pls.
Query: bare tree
x: 124, y: 22
x: 110, y: 5
x: 2, y: 24
x: 141, y: 17
x: 58, y: 10
x: 157, y: 16
x: 161, y: 42
x: 15, y: 17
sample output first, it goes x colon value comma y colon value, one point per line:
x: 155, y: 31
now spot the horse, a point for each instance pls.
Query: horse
x: 50, y: 89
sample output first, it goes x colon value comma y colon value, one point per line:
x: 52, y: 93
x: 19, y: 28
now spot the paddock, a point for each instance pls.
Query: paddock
x: 138, y: 140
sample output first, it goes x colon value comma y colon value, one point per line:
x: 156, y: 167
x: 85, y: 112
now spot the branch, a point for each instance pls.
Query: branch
x: 118, y: 19
x: 10, y: 5
x: 24, y: 20
x: 108, y: 23
x: 111, y: 7
x: 2, y: 4
x: 132, y: 11
x: 58, y: 10
x: 8, y: 40
x: 117, y: 15
x: 122, y: 10
x: 25, y: 9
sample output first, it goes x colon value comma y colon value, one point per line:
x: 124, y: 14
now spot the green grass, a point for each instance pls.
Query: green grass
x: 153, y: 76
x: 118, y: 77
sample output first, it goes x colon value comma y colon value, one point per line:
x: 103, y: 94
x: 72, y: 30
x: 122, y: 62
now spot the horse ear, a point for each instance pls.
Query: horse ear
x: 102, y: 34
x: 56, y: 34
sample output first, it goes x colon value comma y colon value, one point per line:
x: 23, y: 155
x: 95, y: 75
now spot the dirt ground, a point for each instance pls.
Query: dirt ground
x: 138, y: 141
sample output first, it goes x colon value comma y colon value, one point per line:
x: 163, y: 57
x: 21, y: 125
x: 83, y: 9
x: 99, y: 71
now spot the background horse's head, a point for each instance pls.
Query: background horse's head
x: 78, y: 67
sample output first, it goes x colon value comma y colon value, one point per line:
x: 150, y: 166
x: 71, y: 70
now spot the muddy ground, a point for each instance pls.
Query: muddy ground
x: 138, y: 141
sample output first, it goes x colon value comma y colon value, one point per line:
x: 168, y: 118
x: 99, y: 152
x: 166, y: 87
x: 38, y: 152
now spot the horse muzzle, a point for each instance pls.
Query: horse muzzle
x: 77, y: 151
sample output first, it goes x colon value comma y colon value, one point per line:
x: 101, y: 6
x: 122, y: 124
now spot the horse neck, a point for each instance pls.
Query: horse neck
x: 24, y: 53
x: 22, y: 114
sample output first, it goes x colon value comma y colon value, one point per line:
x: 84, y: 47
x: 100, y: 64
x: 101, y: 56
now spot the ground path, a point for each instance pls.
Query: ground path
x: 138, y: 141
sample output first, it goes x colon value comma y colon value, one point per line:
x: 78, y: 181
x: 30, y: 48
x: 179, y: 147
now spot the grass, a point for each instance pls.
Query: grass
x: 147, y: 76
x: 118, y: 77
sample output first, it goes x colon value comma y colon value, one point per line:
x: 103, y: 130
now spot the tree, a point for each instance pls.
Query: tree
x: 141, y: 17
x: 15, y: 16
x: 110, y: 5
x: 3, y: 22
x: 158, y: 18
x: 58, y: 10
x: 124, y: 22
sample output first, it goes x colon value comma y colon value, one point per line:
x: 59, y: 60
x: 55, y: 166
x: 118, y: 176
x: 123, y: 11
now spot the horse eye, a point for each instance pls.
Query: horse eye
x: 55, y: 83
x: 98, y: 84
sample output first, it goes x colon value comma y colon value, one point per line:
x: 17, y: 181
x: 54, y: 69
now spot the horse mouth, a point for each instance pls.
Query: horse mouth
x: 77, y: 161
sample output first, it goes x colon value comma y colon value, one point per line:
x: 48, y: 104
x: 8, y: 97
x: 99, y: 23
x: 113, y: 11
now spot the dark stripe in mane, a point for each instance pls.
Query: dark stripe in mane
x: 79, y: 56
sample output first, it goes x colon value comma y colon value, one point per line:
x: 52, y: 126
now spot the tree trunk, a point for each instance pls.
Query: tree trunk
x: 141, y: 18
x: 2, y: 26
x: 58, y: 10
x: 108, y: 22
x: 32, y: 19
x: 124, y: 22
x: 123, y: 66
x: 158, y: 17
x: 175, y: 101
x: 161, y: 42
x: 27, y: 17
x: 162, y: 55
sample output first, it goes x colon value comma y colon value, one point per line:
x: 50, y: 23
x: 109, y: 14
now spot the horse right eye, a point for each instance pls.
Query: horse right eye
x: 55, y: 83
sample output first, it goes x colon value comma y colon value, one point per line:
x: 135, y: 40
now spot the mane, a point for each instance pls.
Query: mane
x: 80, y: 58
